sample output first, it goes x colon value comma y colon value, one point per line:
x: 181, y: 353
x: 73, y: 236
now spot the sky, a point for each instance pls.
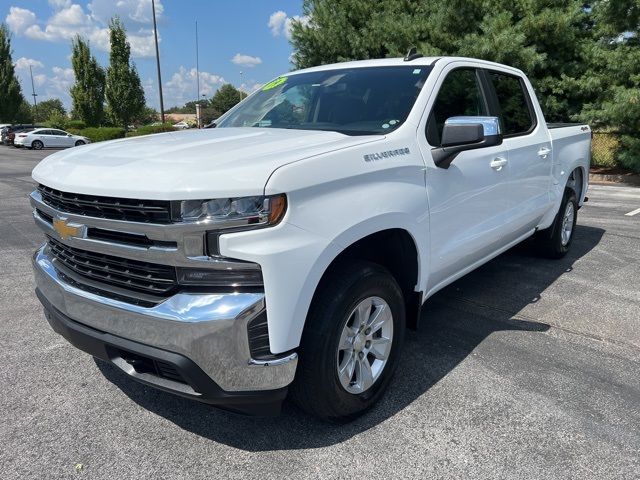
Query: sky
x: 248, y: 36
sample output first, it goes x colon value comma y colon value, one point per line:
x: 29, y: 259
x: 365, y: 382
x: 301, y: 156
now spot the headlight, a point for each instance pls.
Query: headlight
x: 235, y: 212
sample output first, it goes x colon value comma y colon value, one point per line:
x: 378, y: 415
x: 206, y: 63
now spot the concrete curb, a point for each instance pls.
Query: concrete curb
x: 629, y: 180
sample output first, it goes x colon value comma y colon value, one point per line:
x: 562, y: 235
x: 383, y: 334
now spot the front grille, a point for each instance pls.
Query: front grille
x: 143, y: 277
x: 128, y: 209
x: 124, y: 238
x: 81, y: 284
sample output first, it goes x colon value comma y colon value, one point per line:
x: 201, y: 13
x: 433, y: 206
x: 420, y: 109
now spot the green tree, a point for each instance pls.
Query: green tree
x: 24, y: 113
x: 545, y: 39
x: 47, y: 108
x: 209, y: 114
x: 582, y: 58
x: 57, y: 120
x: 11, y: 98
x: 147, y: 116
x: 87, y: 92
x: 613, y: 73
x: 225, y: 98
x: 125, y: 96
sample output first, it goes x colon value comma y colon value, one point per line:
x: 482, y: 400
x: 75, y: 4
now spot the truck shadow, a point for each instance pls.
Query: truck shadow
x: 454, y: 322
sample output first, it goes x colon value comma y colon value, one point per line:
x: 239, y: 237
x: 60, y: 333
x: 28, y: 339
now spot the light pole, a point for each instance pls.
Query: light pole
x: 240, y: 89
x: 197, y: 63
x: 155, y: 34
x: 199, y: 105
x: 34, y: 94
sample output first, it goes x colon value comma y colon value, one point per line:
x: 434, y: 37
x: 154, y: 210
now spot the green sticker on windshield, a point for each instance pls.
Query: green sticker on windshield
x: 274, y: 83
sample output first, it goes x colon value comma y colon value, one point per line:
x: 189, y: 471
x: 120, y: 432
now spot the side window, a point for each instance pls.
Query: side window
x: 58, y: 132
x: 516, y: 116
x: 460, y: 95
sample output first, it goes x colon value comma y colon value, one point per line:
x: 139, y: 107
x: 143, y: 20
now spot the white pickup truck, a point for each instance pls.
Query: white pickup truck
x: 288, y: 249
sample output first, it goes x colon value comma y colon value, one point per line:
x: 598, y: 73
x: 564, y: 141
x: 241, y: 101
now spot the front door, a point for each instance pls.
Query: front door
x: 61, y: 139
x: 468, y: 202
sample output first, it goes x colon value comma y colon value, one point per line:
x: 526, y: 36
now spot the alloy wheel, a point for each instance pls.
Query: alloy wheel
x: 365, y: 345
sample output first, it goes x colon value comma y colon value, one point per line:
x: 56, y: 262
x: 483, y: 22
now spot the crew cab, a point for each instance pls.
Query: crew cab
x: 287, y: 250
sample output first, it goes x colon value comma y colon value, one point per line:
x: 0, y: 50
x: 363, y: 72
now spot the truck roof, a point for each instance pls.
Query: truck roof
x: 399, y: 61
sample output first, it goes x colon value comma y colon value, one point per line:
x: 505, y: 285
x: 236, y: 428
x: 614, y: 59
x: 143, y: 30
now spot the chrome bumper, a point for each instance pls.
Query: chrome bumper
x: 209, y: 329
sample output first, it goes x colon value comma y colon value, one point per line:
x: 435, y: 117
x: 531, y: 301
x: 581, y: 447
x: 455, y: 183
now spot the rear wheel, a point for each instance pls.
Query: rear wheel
x: 79, y: 142
x: 555, y: 241
x: 37, y: 145
x: 351, y: 343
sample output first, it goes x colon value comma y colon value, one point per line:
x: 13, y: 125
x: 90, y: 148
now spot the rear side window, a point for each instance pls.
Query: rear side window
x: 460, y: 95
x: 516, y: 117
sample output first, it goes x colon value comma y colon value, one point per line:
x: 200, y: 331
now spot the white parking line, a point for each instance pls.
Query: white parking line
x: 632, y: 213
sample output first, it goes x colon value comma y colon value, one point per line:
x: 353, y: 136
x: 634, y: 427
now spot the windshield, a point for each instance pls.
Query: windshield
x: 353, y: 101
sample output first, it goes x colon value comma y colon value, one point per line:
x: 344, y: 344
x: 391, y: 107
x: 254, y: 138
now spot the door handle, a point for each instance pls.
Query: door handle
x: 544, y: 152
x: 497, y: 163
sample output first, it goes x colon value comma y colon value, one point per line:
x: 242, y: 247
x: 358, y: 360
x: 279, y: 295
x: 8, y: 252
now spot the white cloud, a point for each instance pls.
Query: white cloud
x: 281, y: 24
x: 60, y: 3
x: 39, y: 79
x: 141, y: 45
x: 19, y: 19
x: 24, y: 63
x: 182, y: 87
x: 136, y: 11
x: 276, y: 22
x: 246, y: 60
x: 250, y: 86
x: 70, y: 19
x: 53, y: 84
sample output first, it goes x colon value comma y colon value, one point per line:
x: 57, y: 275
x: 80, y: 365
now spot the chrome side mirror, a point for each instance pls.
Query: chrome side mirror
x: 466, y: 133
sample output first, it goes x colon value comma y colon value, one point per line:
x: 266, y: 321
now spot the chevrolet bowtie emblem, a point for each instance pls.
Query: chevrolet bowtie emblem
x: 66, y: 229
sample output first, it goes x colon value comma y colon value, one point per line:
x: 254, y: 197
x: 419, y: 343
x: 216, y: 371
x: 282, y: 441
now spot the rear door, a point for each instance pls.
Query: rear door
x: 468, y: 201
x: 45, y: 137
x: 528, y: 144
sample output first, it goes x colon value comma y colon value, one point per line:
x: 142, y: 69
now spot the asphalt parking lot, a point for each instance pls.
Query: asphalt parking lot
x: 526, y: 368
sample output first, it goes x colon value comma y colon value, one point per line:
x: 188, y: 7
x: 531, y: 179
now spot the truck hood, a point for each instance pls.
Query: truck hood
x: 192, y: 164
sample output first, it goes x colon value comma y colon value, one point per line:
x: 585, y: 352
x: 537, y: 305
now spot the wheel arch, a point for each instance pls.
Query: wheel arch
x: 396, y: 250
x: 576, y: 181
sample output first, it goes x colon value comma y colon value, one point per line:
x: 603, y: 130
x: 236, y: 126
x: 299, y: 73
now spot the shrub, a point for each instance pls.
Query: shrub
x: 101, y: 134
x: 76, y: 124
x: 149, y: 129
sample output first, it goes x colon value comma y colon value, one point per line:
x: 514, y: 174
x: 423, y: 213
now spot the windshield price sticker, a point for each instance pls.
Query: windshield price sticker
x: 274, y: 83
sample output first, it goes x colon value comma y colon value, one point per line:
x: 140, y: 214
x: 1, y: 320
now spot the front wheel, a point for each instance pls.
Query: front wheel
x: 79, y: 142
x: 37, y: 145
x: 554, y: 242
x: 351, y: 343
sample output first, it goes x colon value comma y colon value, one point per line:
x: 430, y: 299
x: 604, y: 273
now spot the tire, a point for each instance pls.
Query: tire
x: 79, y: 142
x: 318, y: 388
x: 37, y: 145
x: 555, y: 241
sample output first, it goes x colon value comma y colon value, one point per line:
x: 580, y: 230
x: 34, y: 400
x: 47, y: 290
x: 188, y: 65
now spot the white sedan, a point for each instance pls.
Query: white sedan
x: 48, y: 138
x: 182, y: 125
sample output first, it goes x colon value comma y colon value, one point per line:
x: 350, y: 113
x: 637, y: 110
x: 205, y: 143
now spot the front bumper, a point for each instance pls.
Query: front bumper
x: 208, y: 331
